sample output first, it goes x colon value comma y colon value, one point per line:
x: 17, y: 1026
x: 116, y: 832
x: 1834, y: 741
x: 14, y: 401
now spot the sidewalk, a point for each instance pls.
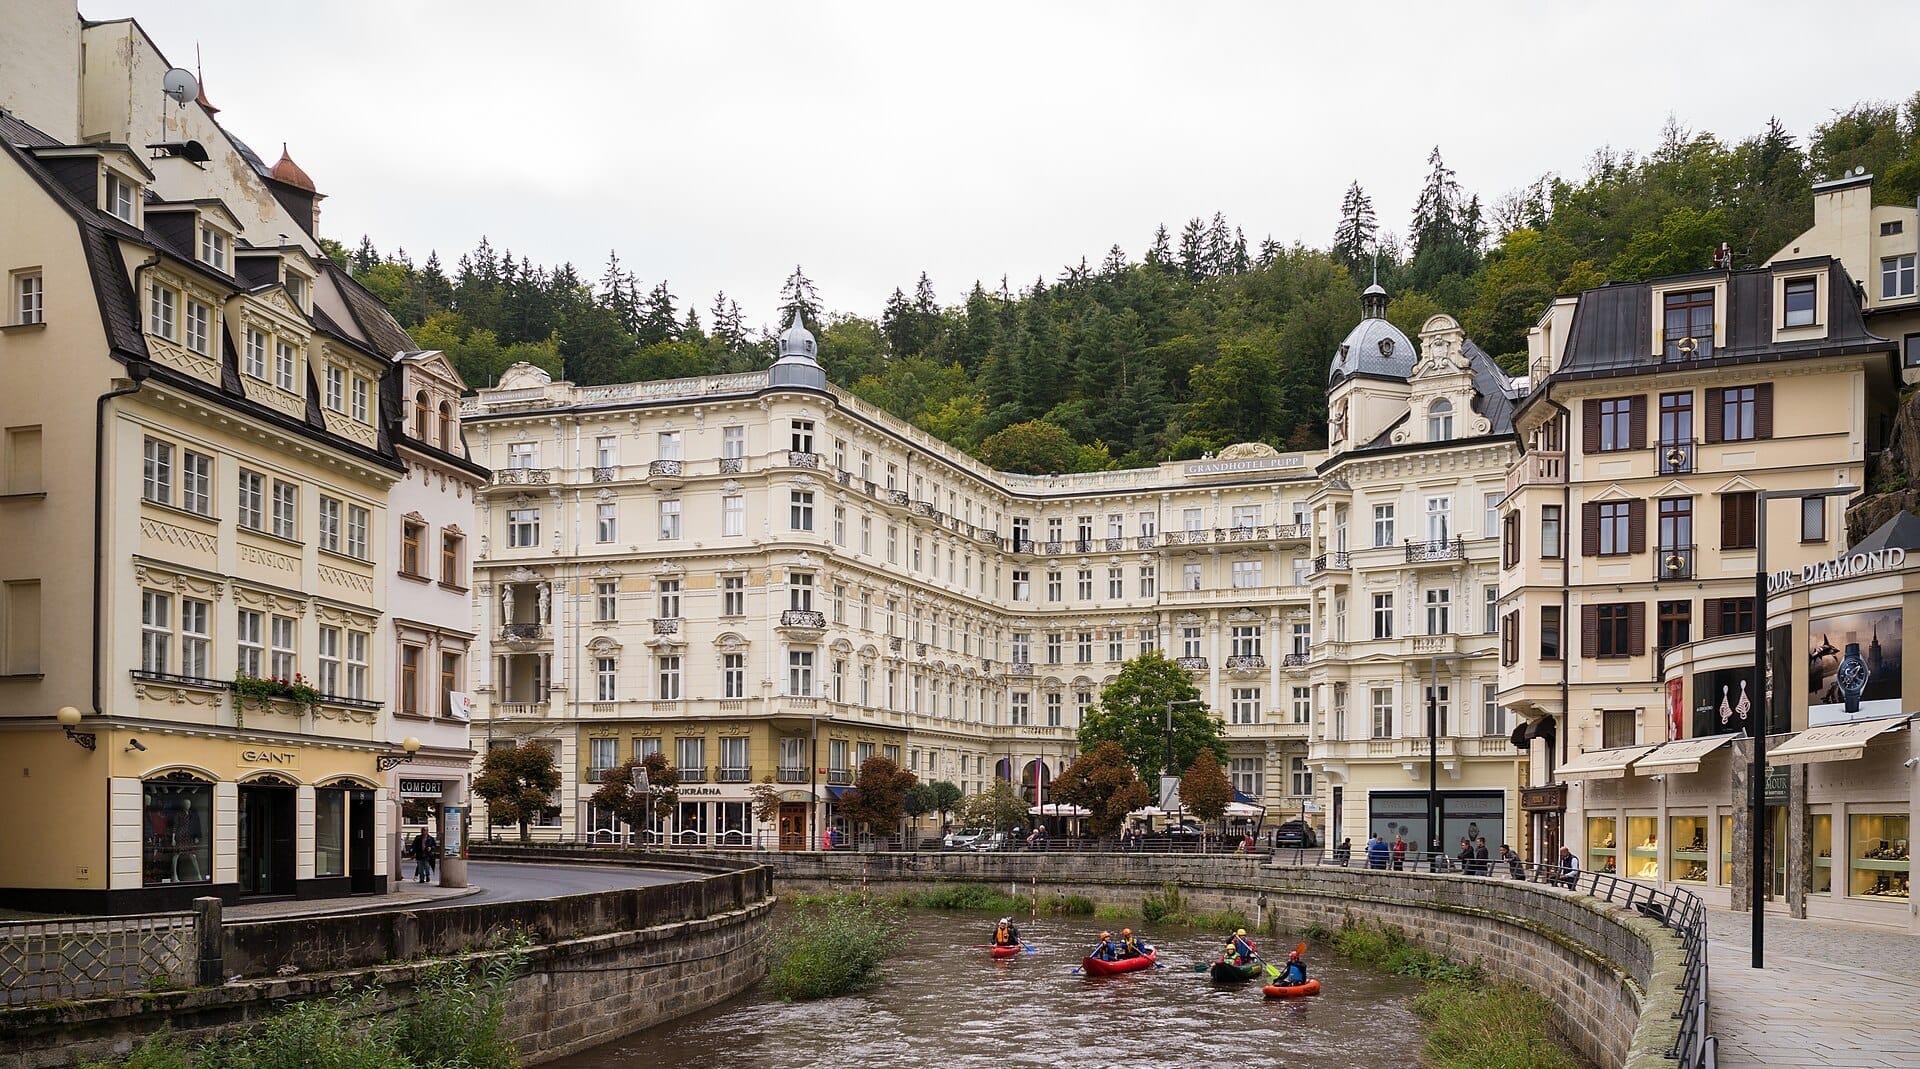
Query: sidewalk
x: 1833, y: 996
x: 406, y: 895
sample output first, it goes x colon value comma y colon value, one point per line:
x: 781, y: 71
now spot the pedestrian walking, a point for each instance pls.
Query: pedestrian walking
x: 1482, y: 866
x: 1376, y: 851
x: 1399, y: 851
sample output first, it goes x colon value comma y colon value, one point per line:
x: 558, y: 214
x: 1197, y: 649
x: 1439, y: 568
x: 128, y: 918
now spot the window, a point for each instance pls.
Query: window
x: 213, y: 248
x: 1246, y: 574
x: 199, y: 327
x: 606, y: 522
x: 800, y: 592
x: 1887, y: 230
x: 733, y: 595
x: 1676, y: 528
x: 330, y: 528
x: 358, y: 519
x: 1813, y: 519
x: 1191, y: 519
x: 1053, y: 586
x: 247, y: 627
x: 284, y: 653
x: 449, y: 683
x: 450, y: 559
x: 1616, y: 423
x: 802, y: 435
x: 669, y: 677
x: 1800, y: 294
x: 668, y: 603
x: 691, y: 753
x: 296, y: 290
x: 1246, y: 640
x: 1383, y: 616
x: 1441, y: 706
x: 1492, y: 505
x: 255, y: 361
x: 1022, y: 585
x: 1299, y: 777
x: 1190, y: 576
x: 1246, y: 778
x: 286, y: 500
x: 336, y: 390
x: 1116, y: 587
x: 29, y: 298
x: 1613, y: 527
x: 840, y: 534
x: 1116, y: 645
x: 283, y: 367
x: 669, y: 442
x: 733, y: 675
x: 156, y: 630
x: 733, y: 443
x: 523, y: 528
x: 1244, y: 706
x: 1896, y: 276
x: 177, y: 829
x: 196, y: 636
x: 606, y: 601
x: 1675, y: 624
x: 250, y: 502
x: 1053, y: 647
x: 1727, y: 616
x: 1439, y: 602
x: 1549, y: 632
x: 1739, y: 520
x: 1688, y: 324
x: 1019, y: 712
x: 1614, y: 630
x: 1440, y: 420
x: 1491, y: 623
x: 1550, y: 532
x: 121, y: 198
x: 156, y: 472
x: 606, y: 686
x: 410, y: 535
x: 1382, y: 525
x: 800, y: 511
x: 1617, y: 728
x: 1383, y: 712
x: 1083, y: 586
x: 1149, y: 580
x: 329, y: 655
x: 669, y: 520
x: 357, y: 642
x: 1493, y: 718
x: 161, y: 304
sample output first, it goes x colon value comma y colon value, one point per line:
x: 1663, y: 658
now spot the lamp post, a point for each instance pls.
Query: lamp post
x: 408, y: 746
x: 69, y: 718
x: 1756, y: 831
x: 1170, y: 773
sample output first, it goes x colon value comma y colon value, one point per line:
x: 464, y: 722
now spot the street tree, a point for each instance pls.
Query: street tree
x: 639, y: 790
x: 1132, y: 712
x: 879, y: 794
x: 998, y: 807
x: 517, y: 783
x: 1205, y: 789
x: 1103, y: 782
x: 946, y: 798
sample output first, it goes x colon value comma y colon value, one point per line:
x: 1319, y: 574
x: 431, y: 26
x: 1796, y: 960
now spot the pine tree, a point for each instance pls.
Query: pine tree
x: 1353, y: 237
x: 364, y: 257
x: 658, y: 321
x: 797, y: 294
x: 1114, y: 265
x: 1219, y: 247
x: 1160, y: 253
x: 1436, y: 212
x: 616, y: 293
x: 1193, y: 252
x: 727, y: 329
x: 897, y: 323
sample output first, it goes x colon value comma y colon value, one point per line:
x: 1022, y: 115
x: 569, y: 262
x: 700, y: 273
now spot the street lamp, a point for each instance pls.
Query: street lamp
x: 1171, y: 774
x: 1758, y: 800
x: 388, y: 762
x: 69, y: 718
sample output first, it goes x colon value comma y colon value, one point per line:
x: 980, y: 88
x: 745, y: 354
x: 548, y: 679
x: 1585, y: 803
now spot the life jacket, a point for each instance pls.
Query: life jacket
x: 1002, y: 937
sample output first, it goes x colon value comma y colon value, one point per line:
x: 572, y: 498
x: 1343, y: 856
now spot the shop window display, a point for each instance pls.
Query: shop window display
x: 177, y: 836
x: 1878, y: 866
x: 1822, y: 829
x: 1777, y: 831
x: 1726, y: 850
x: 1603, y: 851
x: 1687, y: 840
x: 1643, y: 848
x: 329, y: 832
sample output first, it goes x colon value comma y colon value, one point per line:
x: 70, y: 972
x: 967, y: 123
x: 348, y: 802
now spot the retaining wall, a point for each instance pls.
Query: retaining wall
x: 1611, y: 976
x: 603, y: 965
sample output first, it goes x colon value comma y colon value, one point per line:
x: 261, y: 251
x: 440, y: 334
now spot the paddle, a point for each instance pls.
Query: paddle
x: 1273, y: 971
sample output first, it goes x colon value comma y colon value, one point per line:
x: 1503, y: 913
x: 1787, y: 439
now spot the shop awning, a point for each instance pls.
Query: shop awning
x: 835, y: 791
x: 1679, y: 756
x: 1834, y: 742
x: 1602, y: 764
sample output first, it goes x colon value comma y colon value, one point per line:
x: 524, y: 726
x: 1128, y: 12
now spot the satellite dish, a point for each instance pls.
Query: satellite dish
x: 180, y: 85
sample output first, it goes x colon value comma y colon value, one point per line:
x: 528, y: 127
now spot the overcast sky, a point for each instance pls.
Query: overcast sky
x: 718, y: 144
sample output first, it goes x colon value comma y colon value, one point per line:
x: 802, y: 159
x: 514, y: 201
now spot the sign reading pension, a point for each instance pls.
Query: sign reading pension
x: 1244, y: 464
x: 1841, y: 567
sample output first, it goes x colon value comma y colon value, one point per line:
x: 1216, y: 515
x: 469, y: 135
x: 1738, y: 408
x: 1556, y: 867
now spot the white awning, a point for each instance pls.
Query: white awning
x: 1835, y: 742
x: 1057, y: 809
x: 1242, y: 809
x: 1602, y: 764
x: 1680, y: 756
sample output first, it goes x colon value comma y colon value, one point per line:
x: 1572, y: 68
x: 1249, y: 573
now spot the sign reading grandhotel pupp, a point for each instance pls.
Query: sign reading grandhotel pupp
x: 1234, y: 467
x: 1841, y: 567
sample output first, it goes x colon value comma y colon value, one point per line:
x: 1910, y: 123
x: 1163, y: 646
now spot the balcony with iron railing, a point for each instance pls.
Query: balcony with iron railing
x: 788, y: 774
x: 1191, y: 664
x: 605, y: 474
x: 1430, y: 645
x: 1675, y: 457
x: 1020, y: 668
x: 1673, y: 562
x: 666, y: 625
x: 666, y: 470
x: 839, y: 777
x: 1437, y: 551
x: 800, y: 458
x: 733, y: 465
x: 805, y: 618
x: 596, y: 775
x: 694, y: 774
x: 1245, y: 662
x: 522, y: 476
x: 1537, y: 468
x: 1295, y: 660
x: 736, y: 775
x: 524, y: 633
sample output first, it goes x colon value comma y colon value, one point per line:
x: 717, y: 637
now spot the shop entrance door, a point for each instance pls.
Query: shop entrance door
x: 360, y: 842
x: 793, y: 826
x: 266, y: 840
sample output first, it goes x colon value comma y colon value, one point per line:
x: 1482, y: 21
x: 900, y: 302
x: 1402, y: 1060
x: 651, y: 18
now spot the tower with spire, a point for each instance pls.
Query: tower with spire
x: 798, y: 364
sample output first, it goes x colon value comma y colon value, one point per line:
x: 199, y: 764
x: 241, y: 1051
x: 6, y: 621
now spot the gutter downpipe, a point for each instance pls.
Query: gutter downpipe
x: 137, y: 372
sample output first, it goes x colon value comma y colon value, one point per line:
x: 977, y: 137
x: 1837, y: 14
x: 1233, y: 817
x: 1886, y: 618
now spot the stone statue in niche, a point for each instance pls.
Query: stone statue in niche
x: 545, y: 592
x: 1338, y: 433
x: 506, y: 603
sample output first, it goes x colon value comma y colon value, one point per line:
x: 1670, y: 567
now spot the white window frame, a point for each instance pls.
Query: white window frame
x: 29, y: 298
x: 199, y: 337
x: 733, y: 676
x: 606, y: 601
x: 1243, y: 706
x: 250, y: 659
x: 156, y: 631
x: 358, y: 520
x: 359, y: 394
x: 523, y: 528
x: 358, y: 642
x: 336, y: 388
x: 196, y: 637
x: 250, y: 500
x: 156, y: 471
x: 670, y: 520
x: 286, y: 361
x: 163, y: 307
x: 329, y: 519
x: 606, y: 522
x: 254, y: 357
x: 213, y: 248
x: 286, y: 510
x: 1897, y: 276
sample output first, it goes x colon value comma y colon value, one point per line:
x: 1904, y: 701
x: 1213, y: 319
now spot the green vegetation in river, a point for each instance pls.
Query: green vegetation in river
x: 832, y: 945
x: 981, y: 897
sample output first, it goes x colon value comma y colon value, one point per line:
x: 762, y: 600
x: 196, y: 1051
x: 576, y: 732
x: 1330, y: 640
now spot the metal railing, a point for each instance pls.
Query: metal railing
x: 1676, y: 458
x: 1673, y: 562
x: 665, y: 468
x: 1439, y: 549
x: 790, y: 775
x: 666, y: 625
x: 523, y: 631
x: 736, y: 775
x: 1191, y: 664
x: 96, y: 957
x: 694, y: 774
x: 1245, y: 661
x: 732, y: 465
x: 802, y: 618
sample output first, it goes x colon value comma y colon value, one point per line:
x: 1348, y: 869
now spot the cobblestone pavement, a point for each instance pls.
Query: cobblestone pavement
x: 1833, y: 996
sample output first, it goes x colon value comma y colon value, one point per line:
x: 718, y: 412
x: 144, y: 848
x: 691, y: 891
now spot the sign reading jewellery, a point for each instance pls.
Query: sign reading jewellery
x: 1229, y: 467
x: 1847, y: 564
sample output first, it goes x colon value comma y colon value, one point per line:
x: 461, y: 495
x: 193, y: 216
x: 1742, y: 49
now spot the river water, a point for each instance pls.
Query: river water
x: 945, y: 1004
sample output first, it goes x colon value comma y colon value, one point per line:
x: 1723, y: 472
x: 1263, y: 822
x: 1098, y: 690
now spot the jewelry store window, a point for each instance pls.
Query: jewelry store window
x: 1878, y: 866
x: 1687, y: 838
x: 177, y: 835
x: 1822, y: 833
x: 1603, y: 852
x: 1643, y: 851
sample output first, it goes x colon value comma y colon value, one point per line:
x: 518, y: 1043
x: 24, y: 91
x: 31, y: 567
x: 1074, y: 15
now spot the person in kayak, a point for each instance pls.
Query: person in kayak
x: 1240, y: 950
x: 1104, y: 949
x: 1296, y: 971
x: 1006, y: 933
x: 1132, y: 946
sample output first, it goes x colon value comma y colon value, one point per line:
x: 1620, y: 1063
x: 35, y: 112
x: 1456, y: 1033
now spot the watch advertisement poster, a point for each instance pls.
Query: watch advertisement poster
x: 1853, y: 666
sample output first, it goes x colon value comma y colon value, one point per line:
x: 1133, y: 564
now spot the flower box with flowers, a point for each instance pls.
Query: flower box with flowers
x: 263, y: 692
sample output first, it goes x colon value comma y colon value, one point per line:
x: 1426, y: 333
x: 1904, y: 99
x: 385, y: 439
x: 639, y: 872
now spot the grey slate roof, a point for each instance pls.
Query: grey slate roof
x: 1490, y: 385
x: 1360, y: 352
x: 1900, y: 532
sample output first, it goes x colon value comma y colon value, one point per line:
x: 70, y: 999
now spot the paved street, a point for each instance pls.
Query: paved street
x: 1833, y: 996
x: 492, y: 881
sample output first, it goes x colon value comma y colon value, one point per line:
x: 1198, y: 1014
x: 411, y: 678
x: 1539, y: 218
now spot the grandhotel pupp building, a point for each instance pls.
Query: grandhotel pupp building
x: 761, y: 575
x: 204, y: 451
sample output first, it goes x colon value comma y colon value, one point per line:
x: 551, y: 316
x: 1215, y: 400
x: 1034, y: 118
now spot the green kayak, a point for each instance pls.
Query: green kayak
x: 1228, y: 973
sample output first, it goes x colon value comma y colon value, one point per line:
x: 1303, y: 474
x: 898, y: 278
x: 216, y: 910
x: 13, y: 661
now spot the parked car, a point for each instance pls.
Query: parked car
x: 1296, y: 835
x: 990, y: 841
x: 1186, y: 829
x: 962, y: 838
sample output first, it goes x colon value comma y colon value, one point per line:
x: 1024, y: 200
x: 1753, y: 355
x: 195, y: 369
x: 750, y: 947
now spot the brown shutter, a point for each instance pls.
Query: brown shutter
x: 1589, y: 630
x: 1710, y: 618
x: 1589, y: 426
x: 1637, y: 526
x: 1729, y: 524
x: 1637, y: 422
x: 1763, y: 410
x: 1590, y: 529
x: 1637, y: 628
x: 1715, y: 427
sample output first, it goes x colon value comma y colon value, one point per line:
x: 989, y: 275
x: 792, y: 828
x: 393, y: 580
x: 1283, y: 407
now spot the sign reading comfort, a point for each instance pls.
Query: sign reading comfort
x: 1847, y: 564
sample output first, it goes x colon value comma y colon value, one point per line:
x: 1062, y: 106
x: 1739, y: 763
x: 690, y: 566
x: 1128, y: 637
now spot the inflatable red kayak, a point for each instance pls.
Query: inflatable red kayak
x: 1004, y: 952
x: 1101, y: 967
x: 1311, y: 987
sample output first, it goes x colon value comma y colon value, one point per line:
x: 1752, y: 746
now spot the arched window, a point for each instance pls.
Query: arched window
x: 422, y: 417
x: 446, y: 425
x: 1440, y: 420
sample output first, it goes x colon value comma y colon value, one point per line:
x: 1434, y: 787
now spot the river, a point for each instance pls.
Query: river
x: 945, y: 1004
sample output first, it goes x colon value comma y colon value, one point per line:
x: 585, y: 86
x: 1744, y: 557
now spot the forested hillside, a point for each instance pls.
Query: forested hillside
x: 1202, y: 339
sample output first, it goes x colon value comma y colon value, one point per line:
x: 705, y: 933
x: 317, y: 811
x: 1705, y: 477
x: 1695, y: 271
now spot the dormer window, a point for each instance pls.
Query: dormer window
x: 284, y: 366
x: 1440, y: 421
x: 336, y: 388
x: 255, y: 361
x: 199, y: 327
x: 422, y: 417
x: 297, y: 290
x: 361, y: 389
x: 122, y: 198
x: 213, y: 248
x: 1688, y: 324
x: 1800, y: 294
x: 162, y: 308
x: 446, y: 426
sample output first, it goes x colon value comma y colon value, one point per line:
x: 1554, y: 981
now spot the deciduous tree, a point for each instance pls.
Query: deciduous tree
x: 1103, y: 782
x: 1132, y: 712
x: 517, y: 783
x: 1204, y: 788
